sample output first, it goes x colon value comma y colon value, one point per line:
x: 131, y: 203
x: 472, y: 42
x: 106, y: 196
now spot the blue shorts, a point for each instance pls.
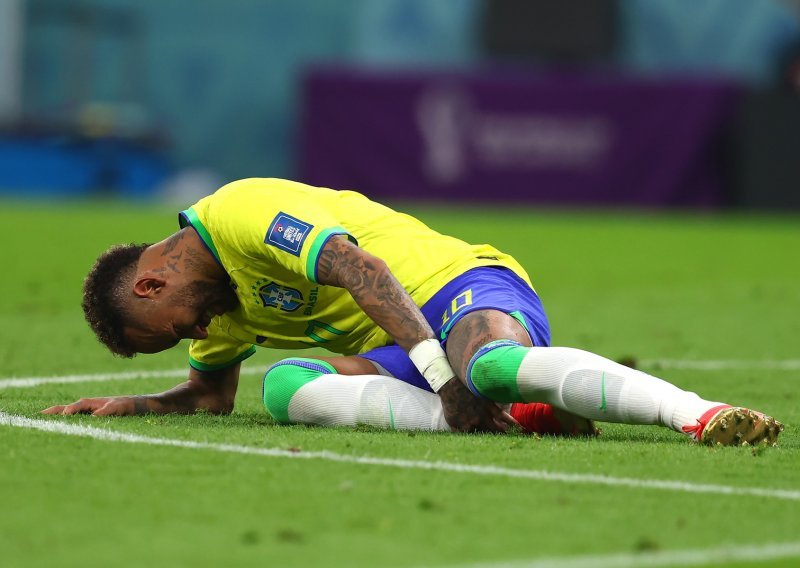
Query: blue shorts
x: 485, y: 288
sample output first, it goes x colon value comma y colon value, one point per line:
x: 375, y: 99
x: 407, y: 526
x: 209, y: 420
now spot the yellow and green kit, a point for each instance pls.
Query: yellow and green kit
x: 267, y: 235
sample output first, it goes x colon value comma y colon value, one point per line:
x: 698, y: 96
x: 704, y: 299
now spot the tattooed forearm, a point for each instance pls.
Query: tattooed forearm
x: 180, y: 400
x: 383, y: 299
x: 375, y: 290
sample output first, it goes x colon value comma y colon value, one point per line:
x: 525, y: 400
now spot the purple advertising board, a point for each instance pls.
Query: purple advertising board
x: 516, y: 137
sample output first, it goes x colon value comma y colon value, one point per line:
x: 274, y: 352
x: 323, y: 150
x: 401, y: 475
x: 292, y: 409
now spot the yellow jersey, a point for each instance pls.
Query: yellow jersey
x: 268, y: 233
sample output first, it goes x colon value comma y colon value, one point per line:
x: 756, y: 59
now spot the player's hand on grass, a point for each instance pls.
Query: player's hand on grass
x: 465, y: 412
x: 104, y: 406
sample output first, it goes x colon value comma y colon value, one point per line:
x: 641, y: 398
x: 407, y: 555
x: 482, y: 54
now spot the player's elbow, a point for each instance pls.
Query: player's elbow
x: 370, y: 272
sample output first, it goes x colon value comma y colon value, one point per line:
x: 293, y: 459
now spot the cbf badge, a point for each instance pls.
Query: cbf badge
x: 274, y: 295
x: 287, y: 233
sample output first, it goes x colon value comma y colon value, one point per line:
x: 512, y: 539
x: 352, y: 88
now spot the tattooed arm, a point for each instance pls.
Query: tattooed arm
x: 213, y: 392
x: 385, y: 301
x: 375, y: 290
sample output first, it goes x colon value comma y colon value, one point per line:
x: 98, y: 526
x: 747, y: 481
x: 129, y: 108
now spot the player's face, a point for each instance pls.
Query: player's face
x: 184, y: 313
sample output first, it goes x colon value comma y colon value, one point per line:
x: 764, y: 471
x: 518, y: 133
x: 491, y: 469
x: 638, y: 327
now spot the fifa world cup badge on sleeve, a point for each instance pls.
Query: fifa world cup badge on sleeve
x: 287, y: 233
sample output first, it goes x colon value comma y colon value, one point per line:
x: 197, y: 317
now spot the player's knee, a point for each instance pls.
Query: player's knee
x: 492, y: 370
x: 283, y: 379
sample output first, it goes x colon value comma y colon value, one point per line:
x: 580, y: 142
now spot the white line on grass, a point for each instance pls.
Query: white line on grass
x: 697, y: 365
x: 687, y: 557
x: 70, y: 429
x: 724, y: 364
x: 28, y: 382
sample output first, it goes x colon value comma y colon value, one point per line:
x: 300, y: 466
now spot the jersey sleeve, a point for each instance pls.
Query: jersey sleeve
x: 218, y: 351
x: 274, y: 227
x: 295, y: 237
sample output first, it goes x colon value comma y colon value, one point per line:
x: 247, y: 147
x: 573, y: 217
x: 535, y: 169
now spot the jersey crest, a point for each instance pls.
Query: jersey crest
x: 282, y: 297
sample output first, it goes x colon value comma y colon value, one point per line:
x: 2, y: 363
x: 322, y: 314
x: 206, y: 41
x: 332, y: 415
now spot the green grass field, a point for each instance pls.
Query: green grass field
x: 710, y: 303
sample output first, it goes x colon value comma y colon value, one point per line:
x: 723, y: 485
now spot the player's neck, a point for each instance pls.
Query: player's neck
x: 183, y: 254
x: 199, y: 258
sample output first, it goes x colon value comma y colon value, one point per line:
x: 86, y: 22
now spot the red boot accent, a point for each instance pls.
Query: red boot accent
x: 695, y: 431
x: 541, y: 418
x: 536, y: 418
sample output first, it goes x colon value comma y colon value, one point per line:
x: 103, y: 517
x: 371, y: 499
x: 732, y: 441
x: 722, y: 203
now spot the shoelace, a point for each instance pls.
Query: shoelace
x: 695, y: 430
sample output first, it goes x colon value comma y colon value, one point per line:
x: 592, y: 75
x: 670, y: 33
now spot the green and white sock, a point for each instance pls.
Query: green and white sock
x: 582, y: 383
x: 309, y: 391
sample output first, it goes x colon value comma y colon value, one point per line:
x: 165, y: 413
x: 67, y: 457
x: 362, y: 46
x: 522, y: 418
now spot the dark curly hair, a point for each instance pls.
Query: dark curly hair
x: 104, y: 293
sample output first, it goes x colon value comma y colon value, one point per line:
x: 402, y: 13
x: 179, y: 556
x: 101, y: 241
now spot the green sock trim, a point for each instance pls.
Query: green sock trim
x: 285, y: 378
x: 492, y: 372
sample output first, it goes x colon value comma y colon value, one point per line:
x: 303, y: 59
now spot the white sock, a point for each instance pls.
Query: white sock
x: 384, y: 402
x: 595, y: 387
x: 582, y: 383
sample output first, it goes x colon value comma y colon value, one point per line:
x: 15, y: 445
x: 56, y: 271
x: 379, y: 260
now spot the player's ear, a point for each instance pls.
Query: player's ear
x: 148, y: 286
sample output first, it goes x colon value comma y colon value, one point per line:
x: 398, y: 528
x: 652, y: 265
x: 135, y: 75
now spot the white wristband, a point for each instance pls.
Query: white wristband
x: 431, y: 360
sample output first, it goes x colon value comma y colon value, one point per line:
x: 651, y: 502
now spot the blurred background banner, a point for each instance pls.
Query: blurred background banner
x: 634, y: 102
x: 564, y: 139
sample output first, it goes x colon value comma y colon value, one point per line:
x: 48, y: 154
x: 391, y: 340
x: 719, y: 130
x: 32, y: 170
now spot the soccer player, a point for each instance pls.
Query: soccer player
x: 275, y: 263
